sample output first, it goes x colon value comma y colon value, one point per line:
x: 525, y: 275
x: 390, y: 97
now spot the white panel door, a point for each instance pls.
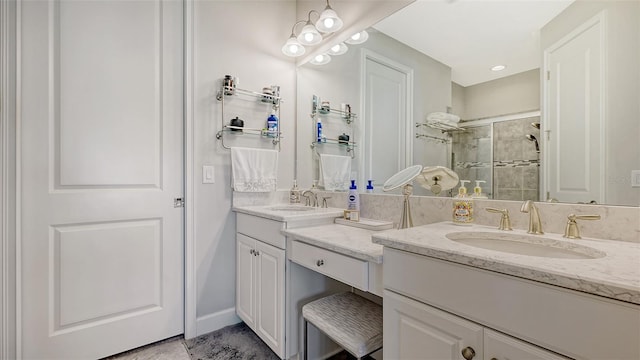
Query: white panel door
x: 101, y: 163
x: 574, y: 164
x: 387, y: 149
x: 413, y: 330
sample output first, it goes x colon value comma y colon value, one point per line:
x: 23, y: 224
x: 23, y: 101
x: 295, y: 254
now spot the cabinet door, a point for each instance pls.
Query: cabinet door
x: 270, y: 264
x: 245, y: 279
x: 498, y: 346
x: 413, y: 330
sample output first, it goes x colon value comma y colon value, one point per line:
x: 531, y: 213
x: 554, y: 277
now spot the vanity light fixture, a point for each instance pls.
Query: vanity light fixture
x: 321, y: 59
x: 293, y: 47
x: 358, y: 38
x: 309, y: 34
x: 338, y: 49
x: 498, y: 68
x: 329, y: 20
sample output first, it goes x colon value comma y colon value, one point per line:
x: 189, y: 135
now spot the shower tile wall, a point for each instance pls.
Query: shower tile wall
x: 516, y: 164
x: 472, y: 157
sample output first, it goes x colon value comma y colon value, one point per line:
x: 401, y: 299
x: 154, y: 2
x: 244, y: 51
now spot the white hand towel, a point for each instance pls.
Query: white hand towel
x: 335, y: 172
x: 254, y: 170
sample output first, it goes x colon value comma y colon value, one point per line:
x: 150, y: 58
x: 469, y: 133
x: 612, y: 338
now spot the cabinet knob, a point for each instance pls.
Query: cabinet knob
x: 256, y: 253
x: 320, y: 262
x: 468, y: 353
x: 252, y: 252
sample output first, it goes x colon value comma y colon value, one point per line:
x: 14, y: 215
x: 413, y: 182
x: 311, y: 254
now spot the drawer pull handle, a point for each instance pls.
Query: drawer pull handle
x: 468, y: 353
x: 320, y: 262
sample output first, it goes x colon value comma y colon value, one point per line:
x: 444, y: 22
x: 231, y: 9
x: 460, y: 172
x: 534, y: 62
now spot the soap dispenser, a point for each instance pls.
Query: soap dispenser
x: 477, y: 191
x: 463, y: 206
x: 353, y: 203
x: 369, y: 186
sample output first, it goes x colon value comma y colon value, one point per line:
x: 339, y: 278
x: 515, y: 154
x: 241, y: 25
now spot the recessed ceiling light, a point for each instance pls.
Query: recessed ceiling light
x: 498, y: 68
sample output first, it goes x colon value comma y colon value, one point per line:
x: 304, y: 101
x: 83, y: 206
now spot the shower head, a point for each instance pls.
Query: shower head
x: 536, y: 125
x: 535, y: 141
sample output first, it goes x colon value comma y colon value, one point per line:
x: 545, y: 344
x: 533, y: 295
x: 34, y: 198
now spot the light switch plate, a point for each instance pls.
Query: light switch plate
x: 208, y: 173
x: 635, y: 178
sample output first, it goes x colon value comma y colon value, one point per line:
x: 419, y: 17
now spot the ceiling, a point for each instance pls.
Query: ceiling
x: 472, y: 36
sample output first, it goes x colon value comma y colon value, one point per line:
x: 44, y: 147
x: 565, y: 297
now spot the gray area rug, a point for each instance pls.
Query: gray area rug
x: 236, y: 342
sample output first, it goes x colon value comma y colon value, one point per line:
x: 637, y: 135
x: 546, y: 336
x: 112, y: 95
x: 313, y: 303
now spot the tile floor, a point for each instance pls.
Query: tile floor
x: 170, y: 349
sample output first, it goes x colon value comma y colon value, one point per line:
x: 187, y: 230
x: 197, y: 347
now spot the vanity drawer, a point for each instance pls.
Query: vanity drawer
x: 265, y: 230
x: 346, y: 269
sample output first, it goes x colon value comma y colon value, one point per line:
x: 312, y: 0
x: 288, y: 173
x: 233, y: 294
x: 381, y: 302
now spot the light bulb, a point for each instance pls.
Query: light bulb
x: 335, y: 48
x: 308, y: 37
x: 328, y: 23
x: 358, y: 38
x: 293, y: 48
x: 319, y: 58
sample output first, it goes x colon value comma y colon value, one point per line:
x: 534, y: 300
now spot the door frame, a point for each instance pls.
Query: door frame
x: 9, y: 175
x: 10, y: 163
x: 367, y: 54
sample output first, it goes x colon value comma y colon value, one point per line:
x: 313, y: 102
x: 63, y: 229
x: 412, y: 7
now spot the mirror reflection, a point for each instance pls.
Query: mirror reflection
x: 561, y: 125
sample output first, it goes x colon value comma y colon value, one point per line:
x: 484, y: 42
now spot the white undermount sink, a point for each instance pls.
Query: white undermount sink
x: 525, y: 245
x: 291, y: 208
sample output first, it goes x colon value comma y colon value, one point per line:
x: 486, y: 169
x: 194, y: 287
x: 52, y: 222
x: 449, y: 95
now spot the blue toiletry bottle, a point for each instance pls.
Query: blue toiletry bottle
x: 272, y: 125
x: 319, y: 130
x: 354, y: 199
x: 369, y: 186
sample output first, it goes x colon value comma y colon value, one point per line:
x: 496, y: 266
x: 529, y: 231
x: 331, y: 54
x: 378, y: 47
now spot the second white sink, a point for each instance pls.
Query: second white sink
x: 525, y: 245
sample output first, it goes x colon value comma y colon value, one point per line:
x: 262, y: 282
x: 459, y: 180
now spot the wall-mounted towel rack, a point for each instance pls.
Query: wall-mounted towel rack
x: 271, y: 98
x: 442, y: 126
x: 347, y: 145
x: 418, y: 136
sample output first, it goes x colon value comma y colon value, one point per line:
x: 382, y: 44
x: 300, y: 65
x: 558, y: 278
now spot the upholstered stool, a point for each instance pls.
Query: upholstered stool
x: 353, y: 322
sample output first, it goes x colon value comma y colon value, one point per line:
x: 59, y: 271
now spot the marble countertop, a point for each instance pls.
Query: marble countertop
x: 343, y: 239
x: 287, y: 213
x: 615, y: 275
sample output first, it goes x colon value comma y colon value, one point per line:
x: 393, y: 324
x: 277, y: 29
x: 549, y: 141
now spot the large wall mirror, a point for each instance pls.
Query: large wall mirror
x: 523, y: 133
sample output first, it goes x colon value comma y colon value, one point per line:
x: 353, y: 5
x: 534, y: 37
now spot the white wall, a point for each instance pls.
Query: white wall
x: 508, y: 95
x: 241, y: 38
x: 622, y: 130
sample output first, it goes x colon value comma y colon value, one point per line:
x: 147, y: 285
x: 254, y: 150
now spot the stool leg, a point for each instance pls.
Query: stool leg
x: 304, y: 351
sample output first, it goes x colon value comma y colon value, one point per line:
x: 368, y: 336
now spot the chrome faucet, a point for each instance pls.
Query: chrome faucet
x: 311, y: 198
x: 535, y: 225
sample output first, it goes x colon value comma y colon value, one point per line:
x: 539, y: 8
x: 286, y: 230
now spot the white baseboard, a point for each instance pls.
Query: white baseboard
x: 212, y: 322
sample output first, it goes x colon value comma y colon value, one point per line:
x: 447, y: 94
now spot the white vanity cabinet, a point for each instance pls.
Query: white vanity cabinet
x: 414, y: 330
x: 260, y: 288
x: 434, y: 309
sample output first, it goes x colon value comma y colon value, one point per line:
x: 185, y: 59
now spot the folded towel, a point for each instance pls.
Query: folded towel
x: 335, y: 172
x: 254, y: 170
x: 443, y: 118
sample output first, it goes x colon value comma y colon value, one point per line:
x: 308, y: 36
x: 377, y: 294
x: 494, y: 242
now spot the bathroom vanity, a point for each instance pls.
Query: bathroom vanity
x: 444, y: 298
x: 263, y: 285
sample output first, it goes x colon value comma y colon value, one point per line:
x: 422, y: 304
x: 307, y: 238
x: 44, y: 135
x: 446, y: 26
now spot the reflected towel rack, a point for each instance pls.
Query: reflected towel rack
x: 348, y: 146
x: 442, y: 126
x: 432, y: 138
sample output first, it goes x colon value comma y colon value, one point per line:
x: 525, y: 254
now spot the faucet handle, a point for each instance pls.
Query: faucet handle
x: 324, y: 201
x: 572, y: 231
x: 505, y: 221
